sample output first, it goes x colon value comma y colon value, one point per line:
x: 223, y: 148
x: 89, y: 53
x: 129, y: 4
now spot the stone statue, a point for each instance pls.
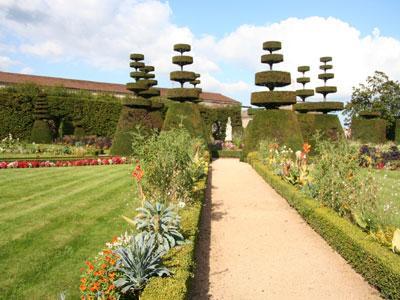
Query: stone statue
x: 228, y: 132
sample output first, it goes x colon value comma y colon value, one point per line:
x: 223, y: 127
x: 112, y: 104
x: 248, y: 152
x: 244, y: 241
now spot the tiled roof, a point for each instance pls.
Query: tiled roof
x: 12, y: 78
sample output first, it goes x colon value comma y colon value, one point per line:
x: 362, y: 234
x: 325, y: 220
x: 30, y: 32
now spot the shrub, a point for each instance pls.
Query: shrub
x: 160, y: 221
x: 186, y: 115
x: 172, y: 162
x: 130, y: 119
x: 273, y: 125
x: 327, y: 126
x: 368, y: 130
x: 397, y: 132
x: 339, y: 180
x: 41, y: 133
x: 138, y: 262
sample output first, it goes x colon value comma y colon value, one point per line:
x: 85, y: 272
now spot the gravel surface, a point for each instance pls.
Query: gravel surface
x: 253, y: 245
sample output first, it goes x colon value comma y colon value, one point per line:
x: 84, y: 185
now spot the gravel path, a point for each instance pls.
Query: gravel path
x: 253, y: 245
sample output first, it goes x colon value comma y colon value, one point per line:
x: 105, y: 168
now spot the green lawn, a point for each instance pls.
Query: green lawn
x: 389, y: 193
x: 52, y: 220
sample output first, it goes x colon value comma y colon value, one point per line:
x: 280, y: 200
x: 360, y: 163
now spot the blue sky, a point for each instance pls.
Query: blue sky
x: 93, y: 43
x: 222, y: 17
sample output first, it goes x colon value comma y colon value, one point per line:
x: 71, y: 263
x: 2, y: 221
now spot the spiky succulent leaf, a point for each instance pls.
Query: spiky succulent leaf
x: 162, y: 222
x: 138, y: 262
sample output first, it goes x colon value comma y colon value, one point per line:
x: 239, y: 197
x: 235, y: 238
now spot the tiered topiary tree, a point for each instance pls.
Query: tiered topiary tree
x: 183, y: 110
x: 310, y: 119
x: 324, y: 106
x: 368, y: 127
x: 41, y: 132
x: 273, y: 123
x: 139, y: 110
x: 183, y: 94
x: 304, y: 93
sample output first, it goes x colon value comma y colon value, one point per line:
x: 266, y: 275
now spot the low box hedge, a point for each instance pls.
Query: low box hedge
x: 378, y: 265
x: 226, y: 153
x: 181, y: 260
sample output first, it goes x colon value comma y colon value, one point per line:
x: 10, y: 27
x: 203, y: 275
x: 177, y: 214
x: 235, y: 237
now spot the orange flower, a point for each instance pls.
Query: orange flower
x: 82, y: 287
x: 83, y: 280
x: 91, y: 267
x: 306, y: 148
x: 103, y: 266
x: 111, y: 287
x: 112, y: 276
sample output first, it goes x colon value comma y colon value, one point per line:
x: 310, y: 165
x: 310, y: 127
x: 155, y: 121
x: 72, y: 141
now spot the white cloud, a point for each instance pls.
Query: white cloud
x: 6, y: 63
x: 103, y: 33
x: 26, y: 70
x: 46, y: 49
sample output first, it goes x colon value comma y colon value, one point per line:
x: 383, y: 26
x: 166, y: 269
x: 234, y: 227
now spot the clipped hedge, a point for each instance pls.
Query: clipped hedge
x: 130, y: 118
x: 324, y: 106
x: 273, y: 125
x: 41, y: 133
x: 98, y: 113
x: 271, y: 58
x: 181, y: 260
x: 270, y: 99
x: 220, y: 115
x: 378, y: 265
x: 272, y: 45
x: 327, y: 125
x: 273, y: 79
x: 368, y: 130
x: 187, y: 114
x: 226, y: 153
x: 183, y: 94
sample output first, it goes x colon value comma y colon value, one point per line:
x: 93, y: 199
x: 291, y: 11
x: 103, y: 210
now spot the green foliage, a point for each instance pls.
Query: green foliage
x: 340, y: 181
x: 99, y: 113
x: 41, y: 133
x: 186, y: 115
x: 273, y: 99
x: 328, y: 127
x: 368, y: 130
x: 172, y: 162
x: 183, y: 94
x: 16, y: 110
x: 139, y: 261
x: 397, y: 132
x: 273, y: 125
x: 226, y: 153
x: 273, y: 79
x: 272, y: 45
x: 180, y: 261
x: 378, y: 93
x: 162, y: 222
x: 217, y: 117
x: 378, y: 266
x: 324, y: 107
x: 130, y: 119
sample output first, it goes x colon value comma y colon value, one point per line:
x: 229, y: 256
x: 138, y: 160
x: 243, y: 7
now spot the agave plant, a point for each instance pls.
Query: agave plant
x: 138, y: 262
x: 162, y: 222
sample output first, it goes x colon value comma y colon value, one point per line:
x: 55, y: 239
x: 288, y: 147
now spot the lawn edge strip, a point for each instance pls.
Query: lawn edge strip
x: 180, y: 260
x: 377, y: 264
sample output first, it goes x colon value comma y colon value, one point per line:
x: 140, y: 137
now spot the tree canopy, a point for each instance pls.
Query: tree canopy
x: 378, y: 94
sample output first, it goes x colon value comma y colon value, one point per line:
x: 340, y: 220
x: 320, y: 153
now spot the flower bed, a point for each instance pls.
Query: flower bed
x: 378, y: 266
x: 22, y: 164
x: 380, y: 157
x: 155, y: 259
